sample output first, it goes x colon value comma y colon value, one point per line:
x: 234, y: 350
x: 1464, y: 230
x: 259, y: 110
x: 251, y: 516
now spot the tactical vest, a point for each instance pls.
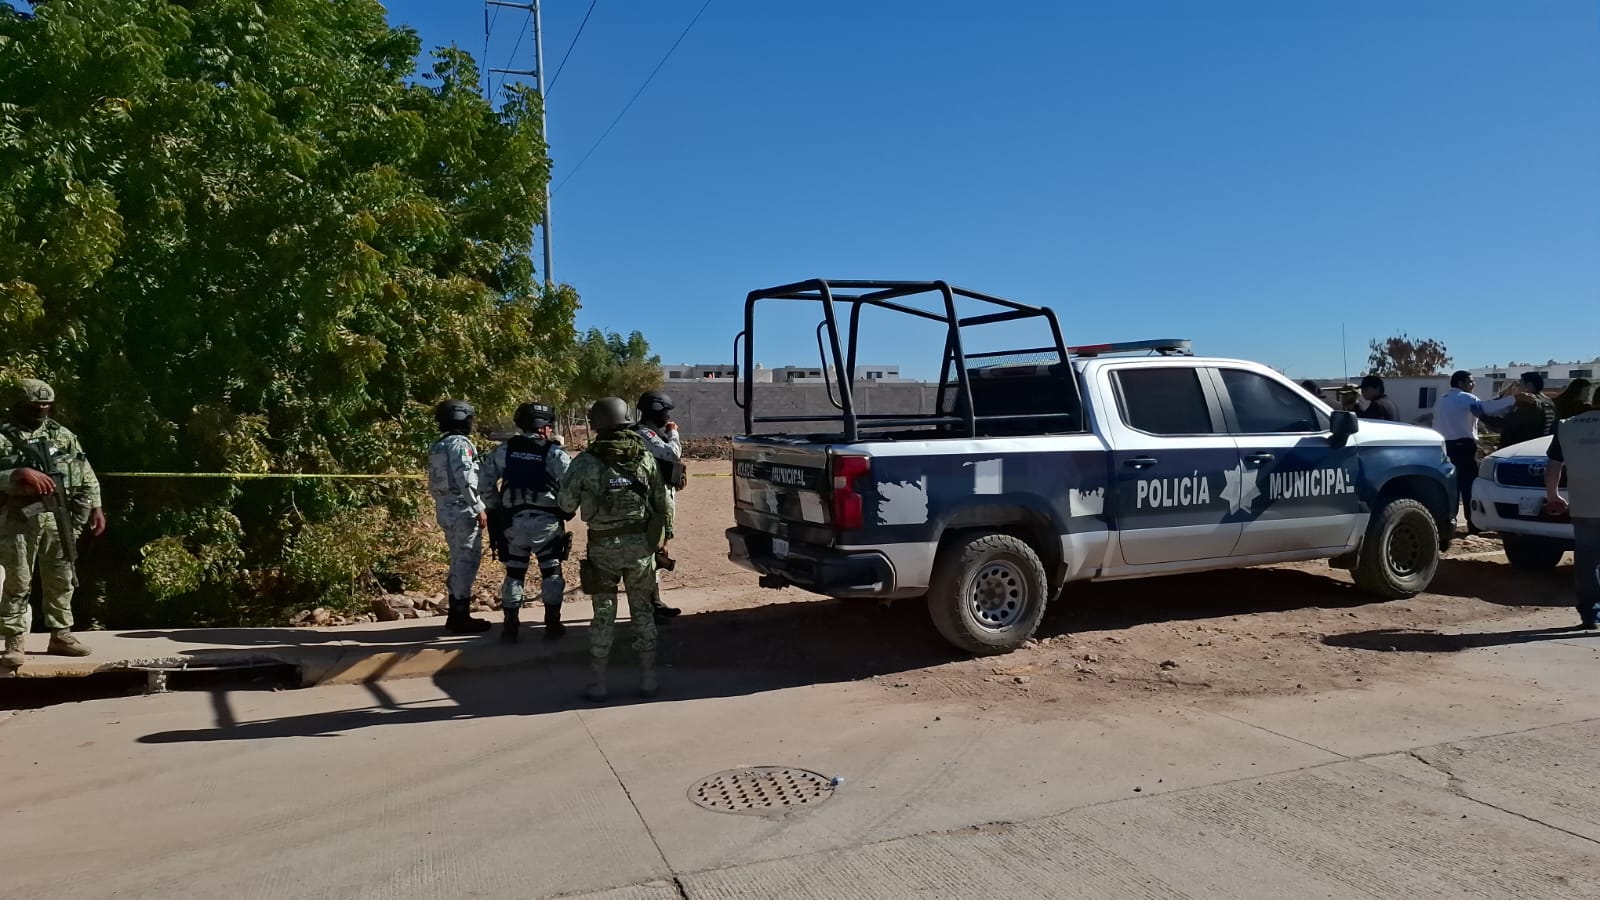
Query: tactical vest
x: 527, y: 473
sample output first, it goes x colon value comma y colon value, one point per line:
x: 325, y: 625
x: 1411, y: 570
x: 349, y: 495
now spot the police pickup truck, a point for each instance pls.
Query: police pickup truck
x: 1029, y: 469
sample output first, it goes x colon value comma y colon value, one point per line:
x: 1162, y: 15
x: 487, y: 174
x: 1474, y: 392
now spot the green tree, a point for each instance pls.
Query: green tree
x: 252, y: 237
x: 610, y: 365
x: 1402, y: 356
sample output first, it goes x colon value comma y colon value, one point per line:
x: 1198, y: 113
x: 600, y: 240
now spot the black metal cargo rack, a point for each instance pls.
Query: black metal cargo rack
x: 963, y: 418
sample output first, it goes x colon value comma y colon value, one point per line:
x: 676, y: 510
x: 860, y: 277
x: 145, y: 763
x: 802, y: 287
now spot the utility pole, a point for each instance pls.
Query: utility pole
x: 537, y: 72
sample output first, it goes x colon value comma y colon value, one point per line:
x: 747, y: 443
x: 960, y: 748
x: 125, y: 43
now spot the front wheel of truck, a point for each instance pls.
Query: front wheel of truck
x: 988, y: 592
x: 1400, y: 553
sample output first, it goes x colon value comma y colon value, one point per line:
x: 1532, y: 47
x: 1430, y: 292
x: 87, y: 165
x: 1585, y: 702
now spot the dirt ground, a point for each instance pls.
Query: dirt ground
x: 1284, y: 629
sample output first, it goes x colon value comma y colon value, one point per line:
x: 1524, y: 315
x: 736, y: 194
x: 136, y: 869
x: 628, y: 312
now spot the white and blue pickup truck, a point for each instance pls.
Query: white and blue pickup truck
x: 1077, y: 464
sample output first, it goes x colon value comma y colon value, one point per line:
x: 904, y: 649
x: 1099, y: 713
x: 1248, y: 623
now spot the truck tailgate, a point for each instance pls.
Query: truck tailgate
x: 781, y: 487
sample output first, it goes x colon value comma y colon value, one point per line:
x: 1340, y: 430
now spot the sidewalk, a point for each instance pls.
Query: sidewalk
x: 350, y: 654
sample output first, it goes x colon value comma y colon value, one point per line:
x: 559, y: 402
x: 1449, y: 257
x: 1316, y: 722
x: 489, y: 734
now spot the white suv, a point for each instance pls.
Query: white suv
x: 1508, y: 498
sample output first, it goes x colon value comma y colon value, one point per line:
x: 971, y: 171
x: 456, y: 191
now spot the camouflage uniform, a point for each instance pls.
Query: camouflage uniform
x: 453, y: 482
x: 537, y: 528
x: 620, y: 540
x: 29, y: 537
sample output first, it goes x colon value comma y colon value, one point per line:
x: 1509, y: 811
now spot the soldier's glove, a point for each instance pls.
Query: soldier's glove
x: 664, y: 562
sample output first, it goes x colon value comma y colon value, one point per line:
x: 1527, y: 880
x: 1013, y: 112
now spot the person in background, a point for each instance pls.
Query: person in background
x: 1531, y: 414
x: 1312, y: 388
x: 1455, y: 417
x: 1578, y: 397
x: 1378, y: 404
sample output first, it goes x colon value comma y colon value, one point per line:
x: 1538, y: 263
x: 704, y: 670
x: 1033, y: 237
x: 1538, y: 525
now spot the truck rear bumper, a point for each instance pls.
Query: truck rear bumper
x: 821, y: 570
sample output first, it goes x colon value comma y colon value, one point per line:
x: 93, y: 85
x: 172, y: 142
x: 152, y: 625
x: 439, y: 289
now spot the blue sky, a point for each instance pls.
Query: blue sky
x: 1247, y: 174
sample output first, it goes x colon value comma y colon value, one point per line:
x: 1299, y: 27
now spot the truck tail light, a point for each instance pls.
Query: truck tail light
x: 847, y: 504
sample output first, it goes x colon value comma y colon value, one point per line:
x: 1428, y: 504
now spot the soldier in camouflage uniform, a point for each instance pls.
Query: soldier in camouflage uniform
x: 619, y: 490
x: 42, y: 466
x: 518, y: 484
x: 660, y: 435
x: 453, y: 482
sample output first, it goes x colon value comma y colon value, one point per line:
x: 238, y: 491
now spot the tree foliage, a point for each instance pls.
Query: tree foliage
x: 243, y: 236
x: 610, y: 365
x: 1401, y: 356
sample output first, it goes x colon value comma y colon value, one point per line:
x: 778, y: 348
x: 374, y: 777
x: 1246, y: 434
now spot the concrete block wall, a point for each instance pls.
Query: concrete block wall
x: 707, y: 409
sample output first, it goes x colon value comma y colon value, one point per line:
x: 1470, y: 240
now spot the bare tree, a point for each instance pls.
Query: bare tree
x: 1401, y: 356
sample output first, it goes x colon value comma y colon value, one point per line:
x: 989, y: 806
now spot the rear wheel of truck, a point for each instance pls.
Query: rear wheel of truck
x: 988, y: 592
x: 1535, y: 554
x: 1400, y: 552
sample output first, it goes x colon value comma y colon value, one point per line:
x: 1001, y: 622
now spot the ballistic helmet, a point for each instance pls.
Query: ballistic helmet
x: 533, y: 416
x: 454, y: 415
x: 609, y: 414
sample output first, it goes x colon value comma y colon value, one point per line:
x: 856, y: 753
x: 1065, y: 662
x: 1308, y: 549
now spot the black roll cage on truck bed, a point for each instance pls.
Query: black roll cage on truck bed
x: 957, y: 415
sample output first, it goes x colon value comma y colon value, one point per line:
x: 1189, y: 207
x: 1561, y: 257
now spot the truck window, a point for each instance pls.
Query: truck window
x: 1163, y: 401
x: 1264, y: 406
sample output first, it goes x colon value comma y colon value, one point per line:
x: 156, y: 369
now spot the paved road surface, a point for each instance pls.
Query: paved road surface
x: 1477, y: 779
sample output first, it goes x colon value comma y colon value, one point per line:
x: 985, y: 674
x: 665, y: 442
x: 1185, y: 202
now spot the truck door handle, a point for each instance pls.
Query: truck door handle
x: 1259, y: 459
x: 1140, y: 462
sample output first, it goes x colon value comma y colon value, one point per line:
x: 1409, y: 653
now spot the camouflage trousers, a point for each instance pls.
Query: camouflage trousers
x: 465, y: 540
x: 533, y: 535
x: 37, y: 544
x: 630, y: 558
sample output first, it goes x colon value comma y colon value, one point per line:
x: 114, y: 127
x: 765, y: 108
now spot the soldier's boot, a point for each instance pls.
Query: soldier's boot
x: 664, y: 612
x: 65, y: 643
x: 460, y: 620
x: 595, y: 691
x: 13, y: 658
x: 648, y: 687
x: 553, y: 627
x: 511, y: 624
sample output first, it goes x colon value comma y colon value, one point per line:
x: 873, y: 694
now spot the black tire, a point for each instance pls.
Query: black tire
x: 1534, y: 554
x: 1400, y: 552
x: 988, y: 592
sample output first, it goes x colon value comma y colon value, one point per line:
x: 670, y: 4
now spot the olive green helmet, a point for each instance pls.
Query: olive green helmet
x: 31, y: 390
x: 609, y: 414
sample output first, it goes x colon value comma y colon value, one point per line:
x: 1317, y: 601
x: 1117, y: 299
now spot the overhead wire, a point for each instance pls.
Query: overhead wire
x: 563, y: 64
x: 629, y: 105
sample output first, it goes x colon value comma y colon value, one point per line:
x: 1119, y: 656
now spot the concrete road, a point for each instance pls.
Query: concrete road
x: 1478, y: 779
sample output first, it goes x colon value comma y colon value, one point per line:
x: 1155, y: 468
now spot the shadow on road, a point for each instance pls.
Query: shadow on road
x: 1400, y: 640
x: 799, y: 642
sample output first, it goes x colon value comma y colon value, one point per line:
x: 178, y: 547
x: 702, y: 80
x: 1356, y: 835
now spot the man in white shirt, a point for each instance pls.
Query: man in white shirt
x: 1455, y: 417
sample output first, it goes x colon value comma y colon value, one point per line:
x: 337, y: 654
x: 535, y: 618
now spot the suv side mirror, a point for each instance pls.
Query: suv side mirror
x: 1344, y: 423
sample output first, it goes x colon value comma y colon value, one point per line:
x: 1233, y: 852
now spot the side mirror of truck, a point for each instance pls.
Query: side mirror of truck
x: 1344, y: 423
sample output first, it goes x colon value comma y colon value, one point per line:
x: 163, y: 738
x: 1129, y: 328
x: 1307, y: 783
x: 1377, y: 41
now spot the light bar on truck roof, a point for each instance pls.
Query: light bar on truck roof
x: 1161, y: 346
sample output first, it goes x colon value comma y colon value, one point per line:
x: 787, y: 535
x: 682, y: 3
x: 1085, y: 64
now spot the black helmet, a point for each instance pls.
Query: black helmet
x: 454, y: 415
x: 609, y: 414
x: 533, y: 416
x: 654, y: 402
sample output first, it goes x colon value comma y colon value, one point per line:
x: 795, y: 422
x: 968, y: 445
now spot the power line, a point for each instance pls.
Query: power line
x: 563, y: 64
x: 629, y: 105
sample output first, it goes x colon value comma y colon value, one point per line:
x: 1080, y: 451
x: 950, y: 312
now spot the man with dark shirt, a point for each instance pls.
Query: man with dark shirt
x: 1379, y: 406
x: 1533, y: 416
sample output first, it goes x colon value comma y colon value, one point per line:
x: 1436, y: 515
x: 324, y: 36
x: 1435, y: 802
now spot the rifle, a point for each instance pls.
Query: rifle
x: 499, y: 543
x: 37, y: 452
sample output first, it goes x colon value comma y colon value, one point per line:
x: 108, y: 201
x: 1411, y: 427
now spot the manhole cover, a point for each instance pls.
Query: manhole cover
x: 760, y: 790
